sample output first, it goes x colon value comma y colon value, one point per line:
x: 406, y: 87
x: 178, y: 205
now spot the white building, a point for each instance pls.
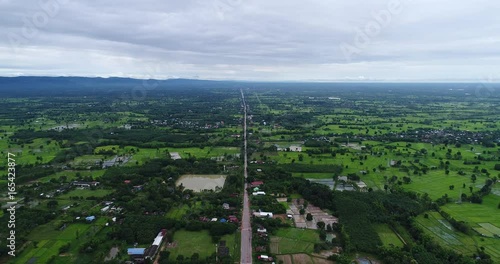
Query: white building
x: 263, y: 214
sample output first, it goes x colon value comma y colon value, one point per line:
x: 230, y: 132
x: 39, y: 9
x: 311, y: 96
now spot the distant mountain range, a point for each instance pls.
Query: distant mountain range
x: 78, y: 86
x: 33, y: 85
x: 34, y: 82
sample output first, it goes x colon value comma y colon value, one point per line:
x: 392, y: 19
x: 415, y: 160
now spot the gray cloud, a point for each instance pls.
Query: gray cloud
x: 258, y: 40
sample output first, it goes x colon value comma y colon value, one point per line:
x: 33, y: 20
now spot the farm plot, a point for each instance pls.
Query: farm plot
x: 440, y: 229
x: 488, y: 230
x: 486, y: 212
x: 188, y: 242
x: 388, y: 236
x: 46, y: 241
x: 293, y: 240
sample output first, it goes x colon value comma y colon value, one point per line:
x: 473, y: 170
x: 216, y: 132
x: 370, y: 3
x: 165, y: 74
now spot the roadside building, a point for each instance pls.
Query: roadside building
x: 137, y: 254
x: 263, y: 214
x: 85, y: 184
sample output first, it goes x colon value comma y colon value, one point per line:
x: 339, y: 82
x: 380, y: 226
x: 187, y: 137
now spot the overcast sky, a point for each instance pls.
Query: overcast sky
x: 252, y: 39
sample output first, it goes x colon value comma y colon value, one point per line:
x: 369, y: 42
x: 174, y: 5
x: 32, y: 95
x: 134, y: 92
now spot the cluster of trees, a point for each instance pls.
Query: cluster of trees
x: 459, y: 225
x: 357, y: 232
x: 477, y: 197
x: 268, y: 204
x: 26, y: 173
x: 148, y: 138
x: 299, y: 167
x: 143, y: 228
x: 358, y: 212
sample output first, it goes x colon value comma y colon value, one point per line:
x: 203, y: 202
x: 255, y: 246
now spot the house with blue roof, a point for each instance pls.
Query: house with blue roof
x: 136, y: 251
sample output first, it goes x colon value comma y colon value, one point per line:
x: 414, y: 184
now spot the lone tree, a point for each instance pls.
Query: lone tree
x: 473, y: 178
x: 309, y: 217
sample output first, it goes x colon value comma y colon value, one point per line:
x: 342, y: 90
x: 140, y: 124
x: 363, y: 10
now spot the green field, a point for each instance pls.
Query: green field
x: 48, y: 240
x: 487, y: 212
x: 445, y: 234
x: 488, y: 230
x: 87, y: 160
x: 200, y: 242
x: 436, y: 184
x: 294, y: 240
x: 388, y: 236
x: 178, y: 212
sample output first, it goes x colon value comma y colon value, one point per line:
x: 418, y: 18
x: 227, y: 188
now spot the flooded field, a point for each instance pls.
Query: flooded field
x: 200, y: 182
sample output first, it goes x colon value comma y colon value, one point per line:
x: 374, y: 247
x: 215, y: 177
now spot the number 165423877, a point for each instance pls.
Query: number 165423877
x: 11, y: 175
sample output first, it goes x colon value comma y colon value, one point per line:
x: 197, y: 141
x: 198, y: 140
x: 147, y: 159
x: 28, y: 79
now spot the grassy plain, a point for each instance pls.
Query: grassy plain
x: 200, y: 242
x: 294, y: 240
x: 388, y: 236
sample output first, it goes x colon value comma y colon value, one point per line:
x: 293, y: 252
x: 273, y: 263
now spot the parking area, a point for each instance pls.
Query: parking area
x: 318, y: 215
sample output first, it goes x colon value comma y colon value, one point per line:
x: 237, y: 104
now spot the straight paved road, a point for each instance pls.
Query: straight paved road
x: 246, y: 228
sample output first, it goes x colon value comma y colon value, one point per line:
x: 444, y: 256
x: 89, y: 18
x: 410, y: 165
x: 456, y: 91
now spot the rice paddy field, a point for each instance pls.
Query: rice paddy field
x: 443, y: 232
x: 46, y: 241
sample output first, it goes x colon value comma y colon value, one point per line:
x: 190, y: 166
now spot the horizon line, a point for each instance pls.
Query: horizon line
x: 339, y: 80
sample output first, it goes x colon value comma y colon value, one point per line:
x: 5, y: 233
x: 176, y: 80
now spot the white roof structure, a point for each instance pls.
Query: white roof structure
x: 361, y: 184
x: 263, y: 214
x: 342, y: 178
x: 158, y: 239
x: 262, y: 230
